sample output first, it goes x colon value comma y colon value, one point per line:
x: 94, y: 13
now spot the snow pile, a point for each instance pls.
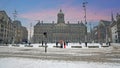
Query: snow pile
x: 37, y: 63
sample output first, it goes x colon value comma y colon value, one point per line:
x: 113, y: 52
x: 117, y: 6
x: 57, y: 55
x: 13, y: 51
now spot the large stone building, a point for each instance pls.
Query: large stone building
x: 6, y: 28
x: 59, y: 31
x: 118, y: 26
x: 115, y: 29
x: 10, y: 30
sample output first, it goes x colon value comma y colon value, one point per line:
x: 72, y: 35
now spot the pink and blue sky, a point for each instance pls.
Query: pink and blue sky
x: 46, y: 10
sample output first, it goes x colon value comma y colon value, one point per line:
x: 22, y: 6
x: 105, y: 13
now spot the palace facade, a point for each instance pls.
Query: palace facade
x: 59, y: 31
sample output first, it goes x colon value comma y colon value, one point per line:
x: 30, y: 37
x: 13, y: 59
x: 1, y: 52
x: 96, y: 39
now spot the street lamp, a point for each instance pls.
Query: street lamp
x: 45, y: 35
x: 84, y: 7
x: 30, y: 39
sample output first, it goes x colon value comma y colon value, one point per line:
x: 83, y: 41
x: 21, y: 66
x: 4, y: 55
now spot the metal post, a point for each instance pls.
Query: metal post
x: 45, y: 35
x: 16, y: 29
x: 84, y: 6
x: 106, y: 36
x: 30, y: 39
x: 45, y: 47
x: 91, y: 36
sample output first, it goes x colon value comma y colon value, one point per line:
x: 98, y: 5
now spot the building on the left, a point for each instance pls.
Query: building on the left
x: 11, y: 31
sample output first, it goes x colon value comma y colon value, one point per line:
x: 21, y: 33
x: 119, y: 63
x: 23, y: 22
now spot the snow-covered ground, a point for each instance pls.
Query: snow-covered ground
x: 38, y: 63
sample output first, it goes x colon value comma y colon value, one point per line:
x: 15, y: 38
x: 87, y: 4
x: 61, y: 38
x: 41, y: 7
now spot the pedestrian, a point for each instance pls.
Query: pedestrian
x: 61, y: 45
x: 67, y: 43
x: 64, y: 45
x: 79, y: 42
x: 86, y: 44
x: 56, y: 44
x: 42, y: 43
x: 101, y: 43
x: 109, y: 43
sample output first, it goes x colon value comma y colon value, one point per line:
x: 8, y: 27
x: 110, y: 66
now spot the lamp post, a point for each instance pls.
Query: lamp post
x: 45, y: 35
x: 91, y: 33
x: 30, y: 39
x: 84, y: 7
x: 15, y: 29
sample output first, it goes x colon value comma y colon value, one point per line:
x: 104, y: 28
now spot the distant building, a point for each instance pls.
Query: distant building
x: 21, y: 33
x: 115, y: 29
x: 24, y: 35
x: 59, y: 31
x: 118, y: 26
x: 102, y: 32
x: 95, y: 33
x: 114, y: 32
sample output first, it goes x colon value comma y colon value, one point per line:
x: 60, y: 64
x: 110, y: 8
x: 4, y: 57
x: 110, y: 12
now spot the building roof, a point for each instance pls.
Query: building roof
x: 17, y: 23
x: 105, y: 23
x: 113, y: 24
x: 60, y: 12
x: 3, y: 15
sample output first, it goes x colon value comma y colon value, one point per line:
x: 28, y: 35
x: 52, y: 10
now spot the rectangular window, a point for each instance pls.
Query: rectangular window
x: 2, y: 30
x: 115, y: 36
